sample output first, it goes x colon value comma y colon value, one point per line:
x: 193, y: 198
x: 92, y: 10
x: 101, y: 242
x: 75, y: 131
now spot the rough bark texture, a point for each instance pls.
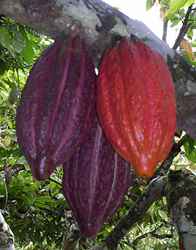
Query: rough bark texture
x: 6, y: 235
x: 96, y: 20
x: 72, y: 235
x: 181, y: 199
x: 184, y: 76
x: 97, y: 23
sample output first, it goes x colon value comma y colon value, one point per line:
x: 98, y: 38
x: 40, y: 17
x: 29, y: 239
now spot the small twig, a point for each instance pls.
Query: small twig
x: 18, y: 67
x: 18, y: 79
x: 60, y: 184
x: 165, y: 25
x: 153, y: 234
x: 6, y: 192
x: 135, y: 242
x: 184, y: 28
x: 50, y: 211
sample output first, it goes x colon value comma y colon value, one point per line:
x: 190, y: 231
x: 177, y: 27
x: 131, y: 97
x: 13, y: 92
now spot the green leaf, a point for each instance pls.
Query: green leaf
x: 176, y: 5
x: 42, y: 205
x: 27, y: 51
x: 2, y: 69
x: 175, y: 21
x: 34, y: 32
x: 21, y: 224
x: 189, y: 2
x: 190, y: 149
x: 31, y: 236
x: 190, y: 32
x: 10, y: 125
x: 17, y: 152
x: 163, y: 215
x: 18, y: 42
x: 8, y: 82
x: 22, y: 160
x: 42, y: 199
x: 13, y: 137
x: 164, y: 200
x: 5, y: 37
x: 4, y: 89
x: 149, y: 4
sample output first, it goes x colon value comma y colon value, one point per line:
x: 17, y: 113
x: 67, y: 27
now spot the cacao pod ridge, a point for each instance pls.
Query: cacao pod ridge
x: 56, y: 106
x: 95, y: 181
x: 136, y: 103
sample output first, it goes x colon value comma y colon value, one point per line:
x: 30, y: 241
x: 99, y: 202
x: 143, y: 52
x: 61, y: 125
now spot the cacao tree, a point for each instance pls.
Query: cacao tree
x: 37, y: 211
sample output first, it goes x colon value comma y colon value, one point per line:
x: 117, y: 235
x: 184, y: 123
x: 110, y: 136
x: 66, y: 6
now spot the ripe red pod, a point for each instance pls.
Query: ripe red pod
x: 136, y: 103
x: 95, y: 181
x: 57, y: 105
x: 180, y: 244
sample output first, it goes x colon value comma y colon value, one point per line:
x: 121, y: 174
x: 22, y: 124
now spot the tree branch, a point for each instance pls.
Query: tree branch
x: 165, y: 25
x: 181, y: 202
x: 72, y: 235
x: 184, y: 28
x: 6, y: 235
x: 153, y: 192
x: 98, y: 23
x: 96, y: 20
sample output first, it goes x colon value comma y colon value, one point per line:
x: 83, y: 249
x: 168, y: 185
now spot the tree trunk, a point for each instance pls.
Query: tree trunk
x: 181, y: 201
x: 97, y: 23
x: 6, y: 235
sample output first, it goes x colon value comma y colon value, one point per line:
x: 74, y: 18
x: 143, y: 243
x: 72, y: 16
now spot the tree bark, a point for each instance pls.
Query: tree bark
x: 6, y: 235
x: 181, y: 202
x: 97, y: 23
x: 72, y: 235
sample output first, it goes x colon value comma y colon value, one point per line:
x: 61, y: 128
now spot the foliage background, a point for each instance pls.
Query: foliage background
x: 37, y: 211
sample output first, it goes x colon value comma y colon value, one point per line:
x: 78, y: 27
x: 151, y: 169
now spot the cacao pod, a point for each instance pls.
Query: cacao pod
x: 136, y: 103
x: 13, y: 96
x: 57, y: 105
x: 180, y: 244
x: 95, y: 181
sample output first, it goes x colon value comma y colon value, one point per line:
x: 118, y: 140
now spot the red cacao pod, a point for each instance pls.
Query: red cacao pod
x: 95, y: 181
x: 136, y: 103
x: 57, y: 105
x: 180, y: 244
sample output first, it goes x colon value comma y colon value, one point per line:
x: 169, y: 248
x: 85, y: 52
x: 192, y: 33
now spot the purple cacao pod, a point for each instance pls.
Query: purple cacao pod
x: 57, y: 105
x: 95, y: 181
